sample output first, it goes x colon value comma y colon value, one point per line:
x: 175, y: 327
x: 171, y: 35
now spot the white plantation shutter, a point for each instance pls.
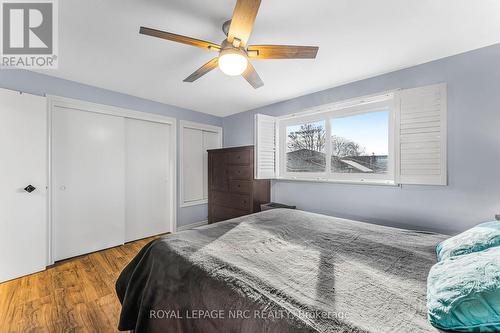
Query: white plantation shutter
x: 265, y: 147
x: 423, y: 136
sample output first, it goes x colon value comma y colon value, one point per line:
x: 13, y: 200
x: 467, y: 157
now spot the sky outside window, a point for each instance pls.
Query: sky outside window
x: 369, y: 130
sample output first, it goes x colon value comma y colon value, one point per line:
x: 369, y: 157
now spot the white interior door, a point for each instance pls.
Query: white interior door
x: 211, y: 140
x: 192, y: 165
x: 23, y: 215
x: 148, y: 201
x: 88, y: 154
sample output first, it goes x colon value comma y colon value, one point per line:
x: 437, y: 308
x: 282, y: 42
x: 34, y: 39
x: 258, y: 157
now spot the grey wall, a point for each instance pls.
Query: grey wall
x: 473, y: 193
x: 40, y: 84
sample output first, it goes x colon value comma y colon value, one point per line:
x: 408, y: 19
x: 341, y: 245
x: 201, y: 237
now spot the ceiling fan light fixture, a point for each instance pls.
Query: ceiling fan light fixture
x: 233, y: 61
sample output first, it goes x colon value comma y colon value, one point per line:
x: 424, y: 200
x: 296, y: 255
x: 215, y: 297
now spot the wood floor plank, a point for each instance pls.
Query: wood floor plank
x: 75, y: 295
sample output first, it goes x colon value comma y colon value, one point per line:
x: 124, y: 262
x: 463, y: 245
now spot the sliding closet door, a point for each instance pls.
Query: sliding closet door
x: 148, y: 201
x: 88, y: 181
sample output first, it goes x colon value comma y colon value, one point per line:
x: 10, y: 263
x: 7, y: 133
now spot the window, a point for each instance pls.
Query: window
x: 196, y: 139
x: 392, y: 138
x: 305, y: 147
x: 360, y: 143
x: 355, y: 140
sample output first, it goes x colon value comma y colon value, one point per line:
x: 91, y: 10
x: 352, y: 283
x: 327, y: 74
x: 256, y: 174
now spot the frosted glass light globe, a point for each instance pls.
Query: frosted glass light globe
x: 232, y: 63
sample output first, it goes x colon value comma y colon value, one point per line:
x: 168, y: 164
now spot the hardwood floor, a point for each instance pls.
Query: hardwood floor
x: 76, y: 295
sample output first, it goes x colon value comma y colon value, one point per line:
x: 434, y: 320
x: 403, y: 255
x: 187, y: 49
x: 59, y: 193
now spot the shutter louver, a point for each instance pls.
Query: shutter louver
x: 423, y: 136
x: 265, y: 147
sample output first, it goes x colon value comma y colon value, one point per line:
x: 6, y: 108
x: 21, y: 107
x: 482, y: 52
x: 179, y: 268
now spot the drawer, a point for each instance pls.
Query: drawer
x: 239, y: 172
x: 240, y: 186
x: 224, y: 213
x: 238, y: 201
x: 219, y: 182
x: 238, y: 157
x: 217, y: 172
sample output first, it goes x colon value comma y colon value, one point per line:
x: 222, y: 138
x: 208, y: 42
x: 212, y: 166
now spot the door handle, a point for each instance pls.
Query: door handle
x: 30, y: 188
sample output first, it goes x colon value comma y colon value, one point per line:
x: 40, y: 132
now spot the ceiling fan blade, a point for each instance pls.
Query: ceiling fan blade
x: 242, y: 21
x: 179, y: 38
x: 282, y: 52
x: 250, y: 74
x: 202, y: 70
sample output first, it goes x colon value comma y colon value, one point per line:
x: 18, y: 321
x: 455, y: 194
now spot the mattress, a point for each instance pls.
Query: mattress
x: 280, y: 271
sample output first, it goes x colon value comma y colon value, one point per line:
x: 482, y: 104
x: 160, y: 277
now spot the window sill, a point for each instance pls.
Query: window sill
x: 371, y: 182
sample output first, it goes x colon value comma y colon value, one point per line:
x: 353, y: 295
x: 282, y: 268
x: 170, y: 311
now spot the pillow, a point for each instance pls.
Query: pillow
x: 481, y: 237
x: 463, y: 293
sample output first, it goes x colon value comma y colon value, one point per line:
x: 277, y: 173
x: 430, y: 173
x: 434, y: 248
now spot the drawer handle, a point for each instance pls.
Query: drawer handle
x: 239, y: 185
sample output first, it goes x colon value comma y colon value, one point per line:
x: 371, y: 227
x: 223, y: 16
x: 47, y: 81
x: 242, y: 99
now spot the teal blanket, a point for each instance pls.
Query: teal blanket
x: 481, y: 237
x: 463, y: 293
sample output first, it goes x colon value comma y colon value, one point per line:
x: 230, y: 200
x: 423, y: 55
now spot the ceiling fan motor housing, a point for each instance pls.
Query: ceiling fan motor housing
x: 228, y: 47
x: 225, y: 27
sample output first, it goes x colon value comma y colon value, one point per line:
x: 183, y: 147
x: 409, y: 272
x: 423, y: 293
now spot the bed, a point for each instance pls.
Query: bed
x: 280, y: 271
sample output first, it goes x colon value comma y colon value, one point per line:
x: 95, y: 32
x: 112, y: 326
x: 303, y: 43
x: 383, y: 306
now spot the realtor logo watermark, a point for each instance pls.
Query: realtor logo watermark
x: 29, y: 35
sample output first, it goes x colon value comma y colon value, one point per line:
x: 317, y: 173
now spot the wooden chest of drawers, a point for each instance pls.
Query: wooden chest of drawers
x: 232, y: 189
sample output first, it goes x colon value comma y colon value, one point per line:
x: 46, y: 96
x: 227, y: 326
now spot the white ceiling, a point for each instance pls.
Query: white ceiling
x: 99, y: 45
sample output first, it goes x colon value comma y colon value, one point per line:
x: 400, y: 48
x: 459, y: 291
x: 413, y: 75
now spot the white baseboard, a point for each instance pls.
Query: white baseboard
x: 192, y: 225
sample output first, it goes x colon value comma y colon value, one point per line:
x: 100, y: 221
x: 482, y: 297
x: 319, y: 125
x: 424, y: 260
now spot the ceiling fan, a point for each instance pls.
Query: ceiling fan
x: 234, y: 52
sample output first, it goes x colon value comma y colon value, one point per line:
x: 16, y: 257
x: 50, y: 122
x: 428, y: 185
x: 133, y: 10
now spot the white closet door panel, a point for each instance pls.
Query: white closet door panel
x: 147, y: 179
x: 211, y: 140
x: 192, y: 165
x: 89, y: 181
x: 23, y: 151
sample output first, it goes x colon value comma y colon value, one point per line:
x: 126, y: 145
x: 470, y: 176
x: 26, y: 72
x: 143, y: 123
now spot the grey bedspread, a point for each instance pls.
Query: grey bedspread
x: 280, y: 271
